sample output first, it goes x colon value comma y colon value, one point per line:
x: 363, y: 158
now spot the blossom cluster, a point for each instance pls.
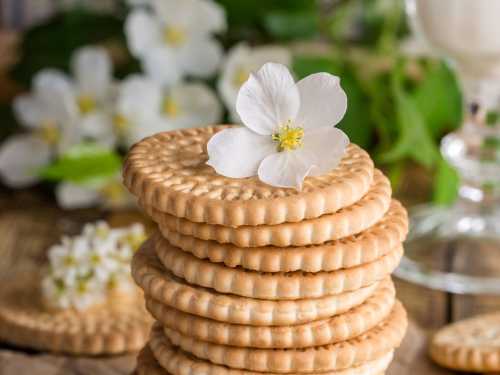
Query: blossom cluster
x: 84, y: 269
x: 177, y: 47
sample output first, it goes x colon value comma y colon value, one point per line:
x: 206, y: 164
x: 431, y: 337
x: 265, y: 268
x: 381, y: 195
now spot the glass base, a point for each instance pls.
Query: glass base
x: 452, y: 250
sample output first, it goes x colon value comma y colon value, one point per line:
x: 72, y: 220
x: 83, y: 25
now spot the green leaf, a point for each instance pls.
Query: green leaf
x: 305, y: 65
x: 415, y: 140
x: 439, y: 100
x: 445, y: 184
x: 83, y: 163
x: 292, y: 25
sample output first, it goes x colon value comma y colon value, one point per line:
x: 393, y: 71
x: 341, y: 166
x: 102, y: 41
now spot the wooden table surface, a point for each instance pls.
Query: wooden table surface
x: 29, y: 227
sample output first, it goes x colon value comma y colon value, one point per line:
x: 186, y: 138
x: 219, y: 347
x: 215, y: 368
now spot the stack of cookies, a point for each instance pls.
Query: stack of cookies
x: 245, y: 278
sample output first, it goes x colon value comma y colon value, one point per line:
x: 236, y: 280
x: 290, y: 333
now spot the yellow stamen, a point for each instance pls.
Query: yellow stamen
x: 170, y: 107
x: 174, y: 36
x: 82, y: 287
x: 113, y: 193
x: 288, y: 137
x: 240, y: 77
x: 87, y: 104
x: 120, y: 124
x: 49, y: 132
x: 69, y: 261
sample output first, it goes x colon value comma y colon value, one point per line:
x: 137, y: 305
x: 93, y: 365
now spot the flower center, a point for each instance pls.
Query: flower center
x: 113, y: 193
x: 174, y: 36
x: 120, y: 124
x: 49, y: 132
x: 240, y: 77
x: 87, y: 104
x: 288, y: 137
x: 170, y: 107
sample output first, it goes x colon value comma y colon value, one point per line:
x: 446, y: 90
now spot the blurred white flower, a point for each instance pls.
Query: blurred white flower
x: 138, y: 2
x: 189, y: 104
x: 242, y: 60
x: 92, y: 87
x: 50, y: 113
x: 175, y: 38
x: 289, y: 129
x: 85, y: 268
x: 109, y: 193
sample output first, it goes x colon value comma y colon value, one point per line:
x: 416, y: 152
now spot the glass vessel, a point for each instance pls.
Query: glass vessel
x: 457, y: 249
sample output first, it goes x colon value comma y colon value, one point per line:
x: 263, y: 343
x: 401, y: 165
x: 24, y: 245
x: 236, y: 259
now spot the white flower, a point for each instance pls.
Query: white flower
x: 289, y: 131
x: 85, y: 268
x: 189, y: 104
x: 93, y: 90
x: 108, y: 193
x: 50, y: 113
x: 175, y: 38
x: 240, y: 62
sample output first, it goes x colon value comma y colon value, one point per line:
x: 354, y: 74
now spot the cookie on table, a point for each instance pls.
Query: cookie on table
x: 120, y: 325
x: 348, y: 221
x: 348, y: 252
x: 469, y: 345
x: 168, y: 171
x: 174, y: 292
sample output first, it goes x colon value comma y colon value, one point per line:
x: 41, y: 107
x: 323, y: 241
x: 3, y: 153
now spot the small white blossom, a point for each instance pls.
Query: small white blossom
x: 49, y: 112
x: 289, y: 129
x: 175, y: 38
x: 108, y: 193
x: 242, y: 60
x: 85, y: 268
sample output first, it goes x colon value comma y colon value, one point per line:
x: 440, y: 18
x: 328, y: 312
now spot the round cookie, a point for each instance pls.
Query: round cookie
x: 276, y: 286
x: 178, y: 362
x: 369, y: 346
x: 343, y: 223
x: 120, y: 326
x: 168, y: 171
x: 332, y: 330
x: 469, y: 345
x: 167, y: 289
x: 348, y: 252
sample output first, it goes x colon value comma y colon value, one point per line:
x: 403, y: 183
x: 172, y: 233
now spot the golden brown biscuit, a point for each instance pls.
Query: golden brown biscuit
x: 322, y: 332
x: 121, y: 325
x: 276, y: 286
x: 348, y: 252
x: 159, y: 284
x: 469, y: 345
x: 168, y: 171
x: 367, y: 347
x: 343, y: 223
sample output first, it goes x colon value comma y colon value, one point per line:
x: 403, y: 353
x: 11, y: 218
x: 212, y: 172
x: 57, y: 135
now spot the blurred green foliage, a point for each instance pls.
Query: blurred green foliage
x: 399, y: 107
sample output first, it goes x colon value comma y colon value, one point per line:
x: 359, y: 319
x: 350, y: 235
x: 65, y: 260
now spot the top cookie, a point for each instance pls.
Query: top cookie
x: 168, y: 171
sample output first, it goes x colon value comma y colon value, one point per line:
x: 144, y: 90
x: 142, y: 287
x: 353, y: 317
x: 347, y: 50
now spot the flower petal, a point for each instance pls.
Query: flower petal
x: 268, y: 99
x: 57, y: 94
x: 21, y: 157
x: 210, y: 17
x: 322, y: 101
x: 160, y: 63
x: 197, y: 104
x: 201, y: 56
x: 139, y: 97
x: 71, y: 196
x: 284, y: 169
x: 323, y: 148
x: 98, y: 126
x: 92, y: 69
x: 53, y: 81
x: 142, y: 31
x: 29, y: 110
x: 238, y: 152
